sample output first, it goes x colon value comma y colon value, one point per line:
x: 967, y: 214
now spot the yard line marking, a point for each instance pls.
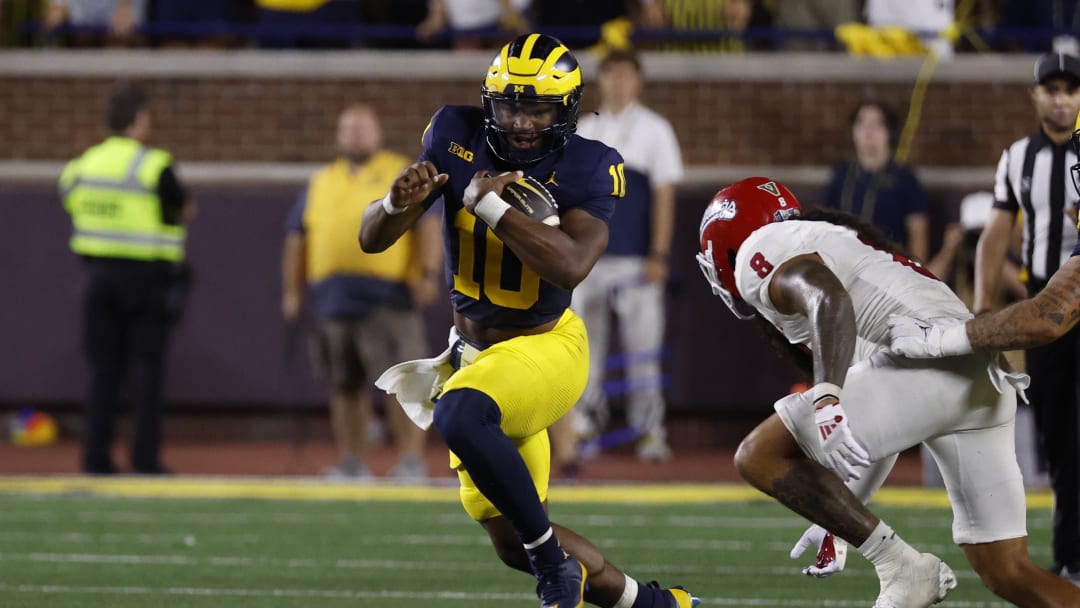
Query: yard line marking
x: 239, y: 592
x: 114, y: 537
x: 791, y: 571
x: 462, y: 596
x: 158, y: 517
x: 317, y: 489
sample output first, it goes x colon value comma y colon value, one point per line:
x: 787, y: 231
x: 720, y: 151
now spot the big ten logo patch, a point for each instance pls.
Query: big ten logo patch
x: 457, y: 150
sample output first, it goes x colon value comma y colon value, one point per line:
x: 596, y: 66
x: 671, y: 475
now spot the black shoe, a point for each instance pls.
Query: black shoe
x: 562, y: 585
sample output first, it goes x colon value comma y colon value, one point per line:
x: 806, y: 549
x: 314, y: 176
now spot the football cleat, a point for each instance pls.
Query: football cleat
x: 562, y: 585
x: 680, y: 597
x: 916, y: 582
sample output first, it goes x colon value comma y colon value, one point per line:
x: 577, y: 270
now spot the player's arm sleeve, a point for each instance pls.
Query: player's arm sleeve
x: 294, y: 222
x: 1004, y: 194
x: 606, y: 186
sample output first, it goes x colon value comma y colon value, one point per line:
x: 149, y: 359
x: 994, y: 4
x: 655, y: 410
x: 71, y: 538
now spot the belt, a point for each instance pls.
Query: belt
x: 464, y: 352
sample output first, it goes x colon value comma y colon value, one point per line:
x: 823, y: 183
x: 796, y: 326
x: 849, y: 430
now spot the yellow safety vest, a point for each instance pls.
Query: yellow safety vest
x: 111, y: 193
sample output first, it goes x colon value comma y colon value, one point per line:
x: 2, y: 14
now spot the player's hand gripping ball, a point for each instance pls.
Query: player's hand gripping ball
x: 530, y: 197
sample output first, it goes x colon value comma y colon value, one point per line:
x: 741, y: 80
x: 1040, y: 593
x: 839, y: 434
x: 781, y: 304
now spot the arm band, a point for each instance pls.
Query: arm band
x: 822, y: 390
x: 491, y: 209
x: 955, y: 341
x: 391, y: 208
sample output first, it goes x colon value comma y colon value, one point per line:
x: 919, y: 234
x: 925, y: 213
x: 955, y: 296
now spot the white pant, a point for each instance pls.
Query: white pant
x: 616, y: 284
x: 951, y: 406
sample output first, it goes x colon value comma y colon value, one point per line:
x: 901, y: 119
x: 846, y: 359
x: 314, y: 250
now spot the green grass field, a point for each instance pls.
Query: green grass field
x: 136, y: 544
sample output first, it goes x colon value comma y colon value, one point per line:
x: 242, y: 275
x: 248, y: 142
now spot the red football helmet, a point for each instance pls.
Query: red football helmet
x: 734, y: 213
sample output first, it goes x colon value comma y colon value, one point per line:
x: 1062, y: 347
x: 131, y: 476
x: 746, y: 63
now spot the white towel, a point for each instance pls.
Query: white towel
x: 416, y: 382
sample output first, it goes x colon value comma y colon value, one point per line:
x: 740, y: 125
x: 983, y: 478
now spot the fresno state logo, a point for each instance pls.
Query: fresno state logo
x: 721, y: 210
x: 717, y: 210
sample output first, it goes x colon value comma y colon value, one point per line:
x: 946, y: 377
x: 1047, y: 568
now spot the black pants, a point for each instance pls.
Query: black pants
x: 125, y: 335
x: 1055, y: 397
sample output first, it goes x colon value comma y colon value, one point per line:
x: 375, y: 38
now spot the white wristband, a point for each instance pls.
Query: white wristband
x: 822, y: 390
x: 391, y: 208
x: 490, y: 208
x: 955, y: 341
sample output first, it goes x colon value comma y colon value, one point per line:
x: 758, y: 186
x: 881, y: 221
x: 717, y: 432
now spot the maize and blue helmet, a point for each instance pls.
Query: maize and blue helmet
x: 533, y: 69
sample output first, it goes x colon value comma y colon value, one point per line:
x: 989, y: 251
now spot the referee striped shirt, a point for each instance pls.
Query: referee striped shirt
x: 1033, y: 177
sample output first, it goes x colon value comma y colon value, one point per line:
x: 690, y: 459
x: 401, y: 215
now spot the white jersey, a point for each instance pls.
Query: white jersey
x: 879, y: 283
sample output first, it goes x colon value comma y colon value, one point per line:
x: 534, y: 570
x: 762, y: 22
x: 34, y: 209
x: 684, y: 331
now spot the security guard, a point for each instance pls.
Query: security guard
x: 1033, y: 177
x: 128, y: 211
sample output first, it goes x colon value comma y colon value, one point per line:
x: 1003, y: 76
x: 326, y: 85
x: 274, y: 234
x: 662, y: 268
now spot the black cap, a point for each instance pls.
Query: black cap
x: 1057, y: 64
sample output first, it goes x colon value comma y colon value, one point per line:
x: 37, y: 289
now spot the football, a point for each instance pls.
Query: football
x: 530, y: 197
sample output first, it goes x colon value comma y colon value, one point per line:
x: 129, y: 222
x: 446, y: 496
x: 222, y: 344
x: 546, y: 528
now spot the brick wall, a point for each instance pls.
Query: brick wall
x: 292, y: 119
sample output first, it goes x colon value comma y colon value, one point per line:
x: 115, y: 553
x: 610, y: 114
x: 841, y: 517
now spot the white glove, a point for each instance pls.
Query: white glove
x: 843, y: 453
x: 831, y: 555
x: 918, y: 339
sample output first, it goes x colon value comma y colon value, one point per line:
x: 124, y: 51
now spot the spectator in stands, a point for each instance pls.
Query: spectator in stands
x: 195, y: 23
x: 930, y: 20
x: 616, y: 18
x: 629, y: 280
x: 367, y: 305
x: 97, y: 22
x: 306, y: 23
x: 813, y: 15
x: 128, y: 211
x: 696, y: 23
x: 474, y: 24
x: 883, y: 192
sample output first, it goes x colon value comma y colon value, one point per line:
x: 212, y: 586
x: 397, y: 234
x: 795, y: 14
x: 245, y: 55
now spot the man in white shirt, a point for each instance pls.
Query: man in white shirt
x: 629, y: 279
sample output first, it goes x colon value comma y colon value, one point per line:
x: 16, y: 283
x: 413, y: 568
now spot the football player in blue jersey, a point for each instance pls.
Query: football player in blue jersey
x: 522, y: 358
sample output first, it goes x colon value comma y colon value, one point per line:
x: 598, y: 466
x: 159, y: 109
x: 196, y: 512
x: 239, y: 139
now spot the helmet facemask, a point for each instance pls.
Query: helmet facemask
x: 499, y: 109
x: 738, y: 307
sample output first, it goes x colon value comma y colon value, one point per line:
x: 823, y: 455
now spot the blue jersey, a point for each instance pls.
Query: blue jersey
x: 490, y: 284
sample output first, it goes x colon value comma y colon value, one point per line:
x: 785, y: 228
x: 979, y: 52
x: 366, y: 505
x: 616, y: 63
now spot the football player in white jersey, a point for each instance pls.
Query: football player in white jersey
x: 829, y: 285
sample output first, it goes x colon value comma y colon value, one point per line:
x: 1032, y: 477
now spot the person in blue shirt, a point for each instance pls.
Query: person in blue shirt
x: 521, y: 356
x: 873, y: 186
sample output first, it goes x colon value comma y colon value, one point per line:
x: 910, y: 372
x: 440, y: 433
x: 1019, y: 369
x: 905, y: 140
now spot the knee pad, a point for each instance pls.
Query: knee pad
x: 463, y: 414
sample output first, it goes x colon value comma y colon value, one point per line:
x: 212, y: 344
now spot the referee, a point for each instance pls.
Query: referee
x: 1033, y: 178
x: 127, y: 212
